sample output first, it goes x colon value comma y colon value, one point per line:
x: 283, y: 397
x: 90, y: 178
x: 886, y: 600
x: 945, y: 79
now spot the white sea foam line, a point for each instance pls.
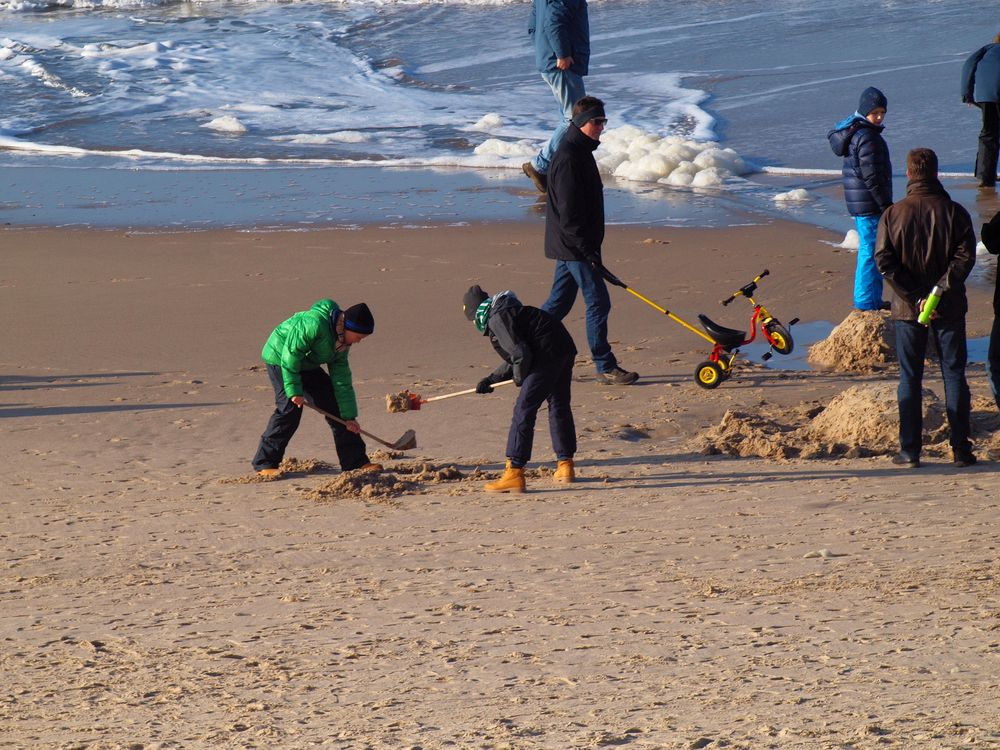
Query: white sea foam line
x: 755, y: 98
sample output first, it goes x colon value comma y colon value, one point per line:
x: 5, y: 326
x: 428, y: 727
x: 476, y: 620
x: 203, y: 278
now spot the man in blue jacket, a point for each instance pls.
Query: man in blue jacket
x: 560, y: 32
x: 981, y: 86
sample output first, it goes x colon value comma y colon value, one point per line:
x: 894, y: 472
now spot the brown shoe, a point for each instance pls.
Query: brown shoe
x: 511, y: 481
x: 369, y: 468
x: 617, y: 376
x: 565, y: 472
x: 269, y: 473
x: 540, y: 181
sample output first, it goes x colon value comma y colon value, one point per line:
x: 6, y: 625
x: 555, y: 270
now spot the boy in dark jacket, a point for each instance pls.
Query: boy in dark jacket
x: 927, y: 240
x: 295, y: 353
x: 867, y: 186
x: 538, y: 353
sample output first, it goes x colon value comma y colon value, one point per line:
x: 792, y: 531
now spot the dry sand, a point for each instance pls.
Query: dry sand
x: 152, y: 597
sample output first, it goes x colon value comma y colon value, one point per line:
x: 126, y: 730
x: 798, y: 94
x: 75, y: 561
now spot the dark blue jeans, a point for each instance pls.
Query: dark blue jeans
x: 284, y: 421
x: 575, y: 275
x: 911, y: 347
x: 546, y: 382
x: 989, y: 143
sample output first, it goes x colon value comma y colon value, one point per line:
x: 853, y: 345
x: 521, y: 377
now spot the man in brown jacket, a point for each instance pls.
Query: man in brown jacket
x: 923, y: 241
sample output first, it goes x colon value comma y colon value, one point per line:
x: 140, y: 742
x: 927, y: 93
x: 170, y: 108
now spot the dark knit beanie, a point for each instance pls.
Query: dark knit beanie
x: 591, y: 113
x: 871, y: 98
x: 358, y: 318
x: 472, y: 300
x: 990, y: 234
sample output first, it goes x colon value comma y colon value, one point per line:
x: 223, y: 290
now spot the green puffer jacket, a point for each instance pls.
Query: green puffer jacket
x: 306, y: 341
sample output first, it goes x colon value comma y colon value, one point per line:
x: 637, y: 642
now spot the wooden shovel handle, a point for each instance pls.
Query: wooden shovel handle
x: 344, y: 422
x: 466, y: 392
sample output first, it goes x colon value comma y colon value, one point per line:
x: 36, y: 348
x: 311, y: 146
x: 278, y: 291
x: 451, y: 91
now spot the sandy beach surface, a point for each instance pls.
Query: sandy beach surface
x: 154, y: 596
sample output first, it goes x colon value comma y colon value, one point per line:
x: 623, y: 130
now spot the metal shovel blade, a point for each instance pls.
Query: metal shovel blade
x: 407, y: 442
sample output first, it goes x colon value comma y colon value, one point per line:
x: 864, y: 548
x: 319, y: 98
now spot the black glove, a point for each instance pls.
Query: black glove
x: 484, y: 386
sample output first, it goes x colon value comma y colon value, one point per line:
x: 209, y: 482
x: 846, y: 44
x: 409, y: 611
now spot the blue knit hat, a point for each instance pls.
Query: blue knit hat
x: 871, y: 98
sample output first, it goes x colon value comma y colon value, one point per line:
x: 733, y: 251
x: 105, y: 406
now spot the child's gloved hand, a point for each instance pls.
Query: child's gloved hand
x: 484, y: 386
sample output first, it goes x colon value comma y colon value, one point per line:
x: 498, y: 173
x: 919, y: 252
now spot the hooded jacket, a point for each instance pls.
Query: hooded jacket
x: 524, y: 336
x: 560, y: 28
x: 926, y: 240
x: 867, y: 169
x: 981, y: 75
x: 307, y: 341
x: 574, y: 202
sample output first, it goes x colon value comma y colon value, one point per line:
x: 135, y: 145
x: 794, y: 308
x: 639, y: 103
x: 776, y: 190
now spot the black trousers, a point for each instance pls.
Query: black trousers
x: 285, y: 420
x: 549, y: 382
x: 989, y: 143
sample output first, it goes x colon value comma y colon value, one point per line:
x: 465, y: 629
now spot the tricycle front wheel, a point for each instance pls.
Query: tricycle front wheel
x: 779, y: 337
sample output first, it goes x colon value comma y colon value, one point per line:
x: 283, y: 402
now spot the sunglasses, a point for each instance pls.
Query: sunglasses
x: 602, y: 121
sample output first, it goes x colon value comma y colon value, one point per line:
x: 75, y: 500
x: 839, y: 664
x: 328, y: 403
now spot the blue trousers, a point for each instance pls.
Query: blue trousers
x: 911, y: 348
x: 549, y: 381
x: 867, y: 279
x: 576, y: 275
x: 285, y: 420
x: 567, y: 88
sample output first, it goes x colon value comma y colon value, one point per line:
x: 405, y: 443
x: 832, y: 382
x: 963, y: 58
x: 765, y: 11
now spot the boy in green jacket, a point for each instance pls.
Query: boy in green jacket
x: 295, y: 354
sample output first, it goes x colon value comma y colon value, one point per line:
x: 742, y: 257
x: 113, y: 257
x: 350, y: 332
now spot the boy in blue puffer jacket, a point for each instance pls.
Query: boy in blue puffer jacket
x: 867, y: 186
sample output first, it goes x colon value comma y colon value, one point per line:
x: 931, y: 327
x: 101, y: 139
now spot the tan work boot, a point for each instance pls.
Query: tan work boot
x: 565, y: 472
x: 511, y: 481
x: 369, y: 468
x: 268, y: 473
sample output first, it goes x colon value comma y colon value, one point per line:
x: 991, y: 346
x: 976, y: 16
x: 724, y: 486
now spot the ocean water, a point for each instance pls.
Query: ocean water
x: 297, y: 113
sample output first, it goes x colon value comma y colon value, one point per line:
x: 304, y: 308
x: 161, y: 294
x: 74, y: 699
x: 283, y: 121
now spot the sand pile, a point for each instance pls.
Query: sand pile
x: 863, y: 342
x: 405, y: 479
x: 861, y: 421
x: 287, y: 466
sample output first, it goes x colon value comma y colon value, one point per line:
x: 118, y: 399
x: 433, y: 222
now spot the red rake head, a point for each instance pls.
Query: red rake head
x: 414, y: 399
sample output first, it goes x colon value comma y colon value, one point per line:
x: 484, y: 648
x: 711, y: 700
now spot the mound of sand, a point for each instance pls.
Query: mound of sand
x: 863, y: 342
x: 287, y: 466
x: 868, y: 417
x: 861, y: 421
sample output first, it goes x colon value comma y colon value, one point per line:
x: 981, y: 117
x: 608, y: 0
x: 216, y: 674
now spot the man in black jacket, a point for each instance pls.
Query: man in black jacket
x: 924, y: 241
x: 538, y: 354
x: 574, y: 232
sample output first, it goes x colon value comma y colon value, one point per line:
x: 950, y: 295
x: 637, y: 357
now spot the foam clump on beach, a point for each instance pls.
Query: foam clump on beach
x: 799, y: 195
x: 489, y: 121
x: 226, y: 124
x: 630, y: 153
x: 851, y: 241
x: 497, y: 147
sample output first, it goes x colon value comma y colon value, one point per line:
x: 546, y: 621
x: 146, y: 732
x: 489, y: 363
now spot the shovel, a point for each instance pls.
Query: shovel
x: 407, y: 401
x: 408, y: 440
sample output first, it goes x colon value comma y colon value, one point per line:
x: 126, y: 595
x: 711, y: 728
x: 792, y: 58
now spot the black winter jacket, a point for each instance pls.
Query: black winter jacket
x: 923, y: 241
x: 981, y: 75
x: 574, y: 205
x: 525, y: 338
x: 867, y: 169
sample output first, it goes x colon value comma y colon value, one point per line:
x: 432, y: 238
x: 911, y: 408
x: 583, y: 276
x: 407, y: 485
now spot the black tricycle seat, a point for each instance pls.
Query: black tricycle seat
x: 727, y: 338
